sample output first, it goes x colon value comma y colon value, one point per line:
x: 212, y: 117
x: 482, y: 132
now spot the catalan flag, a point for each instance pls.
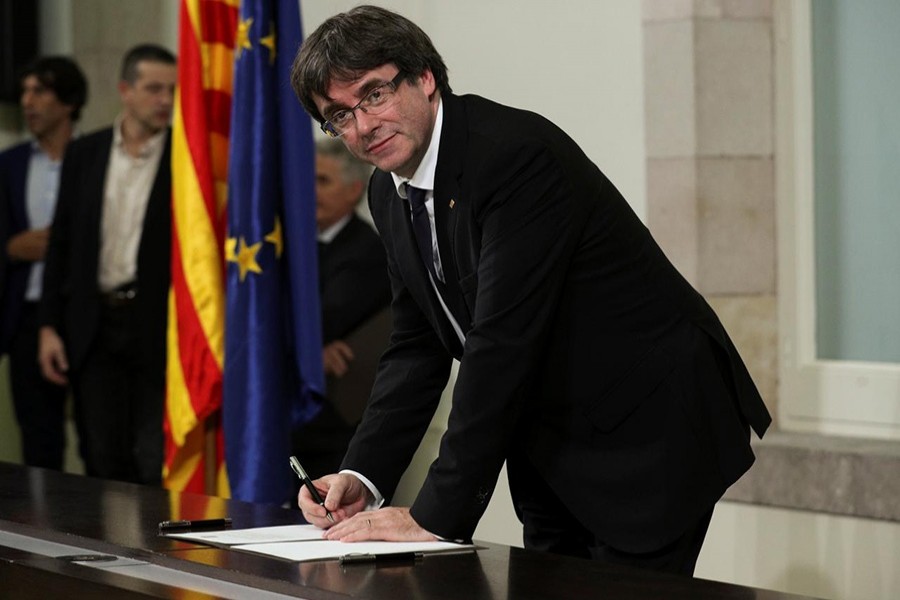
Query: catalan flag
x: 273, y: 349
x: 196, y: 342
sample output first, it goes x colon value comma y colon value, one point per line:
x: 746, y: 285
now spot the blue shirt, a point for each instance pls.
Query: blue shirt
x: 40, y: 202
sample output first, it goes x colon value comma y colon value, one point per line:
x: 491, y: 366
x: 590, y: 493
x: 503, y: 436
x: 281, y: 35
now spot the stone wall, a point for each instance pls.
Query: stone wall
x: 709, y: 79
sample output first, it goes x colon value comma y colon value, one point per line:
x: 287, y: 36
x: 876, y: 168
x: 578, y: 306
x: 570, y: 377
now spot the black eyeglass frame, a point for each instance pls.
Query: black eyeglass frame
x: 329, y: 128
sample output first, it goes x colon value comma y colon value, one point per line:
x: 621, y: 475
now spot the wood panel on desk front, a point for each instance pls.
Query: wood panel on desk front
x: 122, y: 518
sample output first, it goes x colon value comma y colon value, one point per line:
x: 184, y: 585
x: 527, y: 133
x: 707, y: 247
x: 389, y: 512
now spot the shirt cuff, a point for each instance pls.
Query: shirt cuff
x: 379, y: 499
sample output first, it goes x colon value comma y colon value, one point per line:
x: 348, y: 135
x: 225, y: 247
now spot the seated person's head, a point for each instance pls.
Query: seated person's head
x: 340, y: 182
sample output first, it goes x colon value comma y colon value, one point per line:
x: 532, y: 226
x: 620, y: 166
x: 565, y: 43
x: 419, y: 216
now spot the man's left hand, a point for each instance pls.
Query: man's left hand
x: 391, y: 524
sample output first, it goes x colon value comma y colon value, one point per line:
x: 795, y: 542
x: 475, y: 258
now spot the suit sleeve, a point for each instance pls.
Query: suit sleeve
x: 50, y: 311
x: 5, y: 226
x: 356, y: 288
x: 411, y: 375
x: 530, y: 224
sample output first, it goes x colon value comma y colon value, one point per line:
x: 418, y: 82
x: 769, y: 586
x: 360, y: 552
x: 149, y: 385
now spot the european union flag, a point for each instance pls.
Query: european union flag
x: 273, y: 351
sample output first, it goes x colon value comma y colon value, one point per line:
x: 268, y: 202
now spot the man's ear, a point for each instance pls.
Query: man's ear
x: 426, y: 80
x: 358, y: 188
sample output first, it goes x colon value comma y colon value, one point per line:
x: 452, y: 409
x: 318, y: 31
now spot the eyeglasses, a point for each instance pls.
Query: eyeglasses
x: 376, y: 101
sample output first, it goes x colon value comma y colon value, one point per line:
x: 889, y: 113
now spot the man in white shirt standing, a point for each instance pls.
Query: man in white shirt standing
x: 103, y: 313
x: 53, y: 91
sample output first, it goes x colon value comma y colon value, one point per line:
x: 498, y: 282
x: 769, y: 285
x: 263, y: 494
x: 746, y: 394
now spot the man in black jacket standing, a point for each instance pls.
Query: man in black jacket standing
x: 587, y: 363
x: 103, y: 312
x: 54, y: 91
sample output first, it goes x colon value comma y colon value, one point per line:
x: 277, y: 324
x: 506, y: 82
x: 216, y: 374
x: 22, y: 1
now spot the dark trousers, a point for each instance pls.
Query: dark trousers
x: 119, y: 404
x: 39, y: 404
x: 550, y: 527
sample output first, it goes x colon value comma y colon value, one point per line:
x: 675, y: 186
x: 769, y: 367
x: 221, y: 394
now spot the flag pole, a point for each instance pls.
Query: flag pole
x: 210, y: 462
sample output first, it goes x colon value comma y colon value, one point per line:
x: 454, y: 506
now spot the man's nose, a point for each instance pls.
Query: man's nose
x: 168, y: 97
x: 365, y: 122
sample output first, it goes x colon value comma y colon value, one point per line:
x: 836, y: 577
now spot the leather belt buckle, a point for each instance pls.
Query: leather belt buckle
x: 121, y: 296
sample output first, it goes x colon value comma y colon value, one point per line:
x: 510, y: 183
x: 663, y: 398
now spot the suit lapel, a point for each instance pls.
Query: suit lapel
x: 415, y: 275
x: 446, y: 200
x: 18, y: 175
x: 156, y: 219
x: 445, y: 221
x: 96, y: 180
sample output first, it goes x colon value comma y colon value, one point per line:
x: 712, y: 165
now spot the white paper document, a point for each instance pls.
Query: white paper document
x: 256, y: 535
x: 305, y: 542
x: 301, y: 551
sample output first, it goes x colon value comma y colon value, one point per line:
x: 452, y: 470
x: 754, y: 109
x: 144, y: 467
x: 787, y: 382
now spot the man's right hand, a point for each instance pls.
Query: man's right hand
x: 52, y: 356
x: 345, y: 495
x: 28, y: 246
x: 336, y: 358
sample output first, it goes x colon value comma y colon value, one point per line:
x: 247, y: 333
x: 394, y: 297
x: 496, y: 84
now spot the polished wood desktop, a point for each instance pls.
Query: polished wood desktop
x: 119, y: 519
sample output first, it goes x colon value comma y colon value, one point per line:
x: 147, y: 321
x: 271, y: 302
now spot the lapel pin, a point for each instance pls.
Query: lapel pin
x: 452, y: 203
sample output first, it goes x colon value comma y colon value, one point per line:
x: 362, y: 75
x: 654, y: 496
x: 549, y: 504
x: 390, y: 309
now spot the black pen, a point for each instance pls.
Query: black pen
x: 362, y: 558
x: 305, y: 480
x: 195, y: 524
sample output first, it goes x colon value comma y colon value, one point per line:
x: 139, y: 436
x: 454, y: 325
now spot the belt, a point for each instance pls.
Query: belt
x: 121, y: 296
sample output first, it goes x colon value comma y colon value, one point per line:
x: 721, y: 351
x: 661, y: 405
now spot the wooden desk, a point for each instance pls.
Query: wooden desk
x: 44, y: 514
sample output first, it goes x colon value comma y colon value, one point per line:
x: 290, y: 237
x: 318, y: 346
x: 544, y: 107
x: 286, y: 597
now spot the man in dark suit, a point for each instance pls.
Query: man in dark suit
x: 587, y: 363
x: 103, y: 312
x: 354, y: 288
x: 53, y: 92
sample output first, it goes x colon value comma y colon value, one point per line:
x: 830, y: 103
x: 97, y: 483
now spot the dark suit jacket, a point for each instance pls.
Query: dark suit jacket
x: 71, y: 296
x: 13, y: 219
x: 586, y: 353
x: 353, y: 279
x: 354, y: 289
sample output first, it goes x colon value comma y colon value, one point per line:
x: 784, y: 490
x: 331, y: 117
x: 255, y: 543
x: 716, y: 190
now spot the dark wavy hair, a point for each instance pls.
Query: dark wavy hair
x: 63, y: 76
x: 359, y: 40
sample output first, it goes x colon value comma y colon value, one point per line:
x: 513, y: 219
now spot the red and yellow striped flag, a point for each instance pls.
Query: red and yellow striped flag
x: 194, y: 453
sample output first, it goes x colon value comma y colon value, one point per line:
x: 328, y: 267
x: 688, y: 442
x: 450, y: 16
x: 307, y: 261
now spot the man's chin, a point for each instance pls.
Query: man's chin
x: 388, y: 164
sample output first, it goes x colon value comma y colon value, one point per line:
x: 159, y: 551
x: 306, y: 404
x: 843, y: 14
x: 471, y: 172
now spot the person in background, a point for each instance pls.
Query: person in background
x: 53, y: 92
x: 586, y: 362
x: 354, y: 289
x: 103, y: 312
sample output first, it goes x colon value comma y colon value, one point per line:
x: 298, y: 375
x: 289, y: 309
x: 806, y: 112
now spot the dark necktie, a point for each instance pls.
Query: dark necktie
x: 422, y: 227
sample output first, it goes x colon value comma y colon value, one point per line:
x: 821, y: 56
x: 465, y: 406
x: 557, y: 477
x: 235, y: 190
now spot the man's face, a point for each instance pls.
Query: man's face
x: 150, y: 98
x: 43, y: 111
x: 335, y: 198
x: 396, y: 139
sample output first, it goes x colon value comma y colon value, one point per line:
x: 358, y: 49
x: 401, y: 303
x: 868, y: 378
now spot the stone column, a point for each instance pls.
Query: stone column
x: 102, y: 32
x: 709, y: 79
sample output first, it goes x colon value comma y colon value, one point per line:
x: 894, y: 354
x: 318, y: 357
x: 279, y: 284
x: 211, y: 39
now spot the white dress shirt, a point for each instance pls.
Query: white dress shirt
x: 129, y: 181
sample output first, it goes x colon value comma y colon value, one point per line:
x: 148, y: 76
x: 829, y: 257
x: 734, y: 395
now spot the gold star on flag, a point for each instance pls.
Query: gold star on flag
x: 230, y: 246
x: 246, y: 258
x: 276, y: 238
x: 269, y: 42
x: 242, y: 37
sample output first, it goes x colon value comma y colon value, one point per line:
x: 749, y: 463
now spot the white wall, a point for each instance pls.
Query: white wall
x: 800, y: 552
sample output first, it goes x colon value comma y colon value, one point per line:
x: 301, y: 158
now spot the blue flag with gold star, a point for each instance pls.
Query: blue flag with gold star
x: 273, y: 376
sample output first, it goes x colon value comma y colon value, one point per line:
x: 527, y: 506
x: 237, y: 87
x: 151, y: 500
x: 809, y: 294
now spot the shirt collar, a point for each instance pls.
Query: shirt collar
x: 423, y: 178
x: 327, y: 236
x: 149, y: 147
x: 36, y: 146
